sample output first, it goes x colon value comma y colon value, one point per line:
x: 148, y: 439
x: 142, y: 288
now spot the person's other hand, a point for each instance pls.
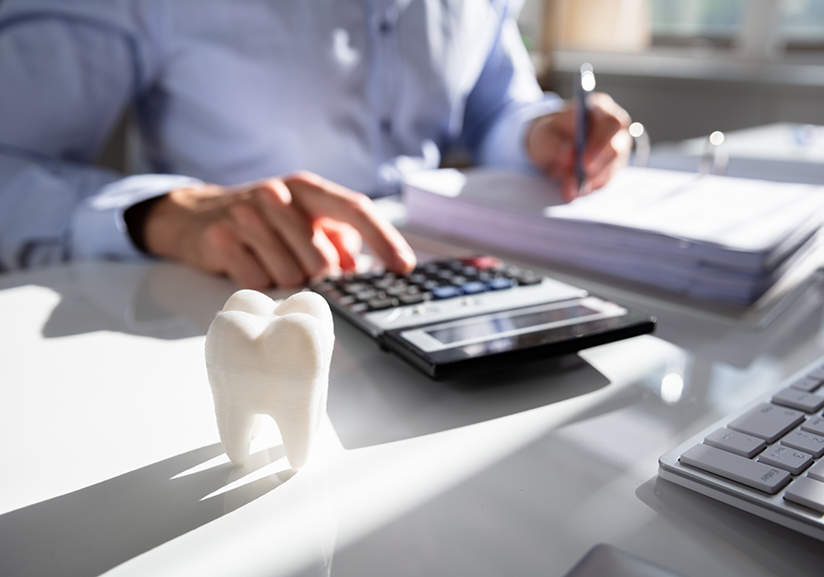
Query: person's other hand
x: 550, y: 144
x: 279, y: 231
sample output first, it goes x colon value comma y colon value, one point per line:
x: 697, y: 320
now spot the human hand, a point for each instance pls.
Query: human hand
x: 550, y: 145
x: 278, y: 231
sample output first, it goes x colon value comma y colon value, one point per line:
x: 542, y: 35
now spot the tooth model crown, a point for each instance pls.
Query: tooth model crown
x: 268, y: 359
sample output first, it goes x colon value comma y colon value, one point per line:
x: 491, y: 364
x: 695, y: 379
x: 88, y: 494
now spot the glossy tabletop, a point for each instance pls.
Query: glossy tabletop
x: 112, y: 462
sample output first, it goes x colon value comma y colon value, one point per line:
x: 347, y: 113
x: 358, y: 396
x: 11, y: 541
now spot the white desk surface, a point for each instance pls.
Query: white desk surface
x: 111, y: 458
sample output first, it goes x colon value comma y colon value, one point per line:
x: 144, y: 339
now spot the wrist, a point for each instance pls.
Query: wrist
x: 136, y: 218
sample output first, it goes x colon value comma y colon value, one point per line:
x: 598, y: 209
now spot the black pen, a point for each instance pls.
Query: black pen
x: 584, y: 84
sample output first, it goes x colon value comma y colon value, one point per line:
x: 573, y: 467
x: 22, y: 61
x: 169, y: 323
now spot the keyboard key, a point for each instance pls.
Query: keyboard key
x: 445, y: 292
x: 817, y: 471
x: 813, y: 444
x: 818, y: 374
x: 735, y: 442
x: 736, y: 468
x: 807, y: 384
x: 791, y: 460
x: 795, y: 399
x: 808, y: 492
x: 767, y: 421
x: 814, y: 425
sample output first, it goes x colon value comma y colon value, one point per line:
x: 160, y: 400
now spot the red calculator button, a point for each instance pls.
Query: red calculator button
x: 483, y: 262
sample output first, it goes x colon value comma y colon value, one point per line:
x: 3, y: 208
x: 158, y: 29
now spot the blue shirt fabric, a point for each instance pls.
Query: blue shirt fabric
x: 230, y: 91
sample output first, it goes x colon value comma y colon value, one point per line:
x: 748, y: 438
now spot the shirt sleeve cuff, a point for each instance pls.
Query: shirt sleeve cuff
x: 98, y: 228
x: 505, y: 145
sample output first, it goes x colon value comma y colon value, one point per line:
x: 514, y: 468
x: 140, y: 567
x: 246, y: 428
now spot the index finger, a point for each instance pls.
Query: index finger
x: 319, y: 197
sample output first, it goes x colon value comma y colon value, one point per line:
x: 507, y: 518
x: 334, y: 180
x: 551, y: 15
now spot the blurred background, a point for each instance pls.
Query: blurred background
x: 685, y: 68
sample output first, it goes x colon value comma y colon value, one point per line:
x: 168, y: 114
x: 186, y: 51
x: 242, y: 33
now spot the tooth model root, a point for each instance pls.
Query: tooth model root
x: 269, y: 359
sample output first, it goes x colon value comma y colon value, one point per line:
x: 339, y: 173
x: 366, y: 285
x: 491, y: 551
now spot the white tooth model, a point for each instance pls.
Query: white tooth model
x: 265, y: 358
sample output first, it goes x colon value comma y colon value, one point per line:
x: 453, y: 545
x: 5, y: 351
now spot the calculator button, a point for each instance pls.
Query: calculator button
x: 736, y: 468
x: 808, y: 492
x: 411, y: 299
x: 767, y: 421
x: 800, y: 400
x: 354, y: 287
x: 445, y: 274
x: 397, y: 290
x: 473, y: 287
x: 735, y: 442
x: 786, y: 458
x: 483, y: 262
x: 383, y: 283
x: 813, y: 444
x: 814, y: 425
x: 499, y: 283
x: 379, y: 304
x: 359, y: 308
x: 347, y: 300
x: 430, y: 284
x: 367, y: 294
x: 445, y: 292
x: 818, y: 374
x: 528, y: 277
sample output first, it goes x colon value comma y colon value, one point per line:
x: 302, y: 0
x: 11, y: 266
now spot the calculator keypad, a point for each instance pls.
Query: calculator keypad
x: 445, y: 279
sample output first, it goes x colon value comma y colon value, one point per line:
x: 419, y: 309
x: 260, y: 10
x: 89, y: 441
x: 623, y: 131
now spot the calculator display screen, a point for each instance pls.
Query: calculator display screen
x: 500, y: 324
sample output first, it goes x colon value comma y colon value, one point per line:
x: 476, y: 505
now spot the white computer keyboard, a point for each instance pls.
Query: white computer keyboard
x: 767, y: 458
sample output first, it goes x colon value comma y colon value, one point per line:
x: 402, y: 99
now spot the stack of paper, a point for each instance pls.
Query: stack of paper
x: 716, y: 238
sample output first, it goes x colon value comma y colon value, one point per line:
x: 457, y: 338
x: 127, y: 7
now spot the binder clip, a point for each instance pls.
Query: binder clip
x: 641, y: 145
x: 716, y: 157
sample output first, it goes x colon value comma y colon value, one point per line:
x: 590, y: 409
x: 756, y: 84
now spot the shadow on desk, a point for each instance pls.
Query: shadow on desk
x: 375, y: 397
x: 92, y: 530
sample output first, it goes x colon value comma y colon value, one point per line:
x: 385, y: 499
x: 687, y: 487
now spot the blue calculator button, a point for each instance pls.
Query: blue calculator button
x: 445, y: 292
x: 473, y: 287
x: 497, y: 284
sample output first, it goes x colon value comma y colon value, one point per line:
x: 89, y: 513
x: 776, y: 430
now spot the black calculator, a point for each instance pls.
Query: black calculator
x: 460, y: 315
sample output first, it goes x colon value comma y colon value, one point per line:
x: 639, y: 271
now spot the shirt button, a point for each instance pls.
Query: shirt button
x: 386, y: 125
x: 385, y: 27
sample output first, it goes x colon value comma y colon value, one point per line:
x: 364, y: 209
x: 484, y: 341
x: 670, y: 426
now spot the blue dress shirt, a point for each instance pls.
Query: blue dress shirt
x: 229, y: 91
